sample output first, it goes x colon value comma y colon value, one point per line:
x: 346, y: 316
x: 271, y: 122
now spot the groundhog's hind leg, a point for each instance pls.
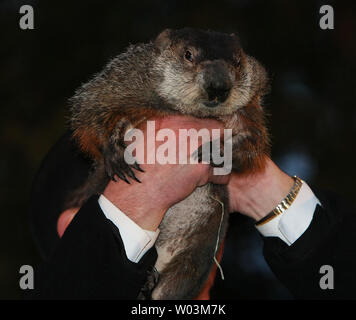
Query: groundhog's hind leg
x: 190, y: 233
x: 184, y: 276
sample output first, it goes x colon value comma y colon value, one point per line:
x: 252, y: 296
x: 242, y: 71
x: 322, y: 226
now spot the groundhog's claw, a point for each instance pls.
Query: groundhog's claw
x: 121, y: 170
x: 124, y: 171
x: 137, y: 167
x: 131, y: 174
x: 122, y: 177
x: 116, y: 167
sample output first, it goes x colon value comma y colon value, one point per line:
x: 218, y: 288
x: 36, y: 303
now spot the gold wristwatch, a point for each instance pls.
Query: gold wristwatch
x: 284, y: 204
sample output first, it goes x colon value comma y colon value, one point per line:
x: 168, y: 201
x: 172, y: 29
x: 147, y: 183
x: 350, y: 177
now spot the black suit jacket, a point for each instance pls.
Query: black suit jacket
x: 90, y: 261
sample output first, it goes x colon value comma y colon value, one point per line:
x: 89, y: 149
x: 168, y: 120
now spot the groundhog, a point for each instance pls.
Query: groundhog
x: 192, y: 72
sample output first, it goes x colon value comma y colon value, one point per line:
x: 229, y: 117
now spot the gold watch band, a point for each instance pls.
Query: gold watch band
x: 284, y: 204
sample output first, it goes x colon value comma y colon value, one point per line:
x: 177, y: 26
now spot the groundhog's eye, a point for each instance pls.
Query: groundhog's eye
x: 188, y: 56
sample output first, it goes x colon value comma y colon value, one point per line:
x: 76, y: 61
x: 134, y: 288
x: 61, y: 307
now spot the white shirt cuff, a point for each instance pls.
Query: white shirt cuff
x: 292, y: 223
x: 137, y: 241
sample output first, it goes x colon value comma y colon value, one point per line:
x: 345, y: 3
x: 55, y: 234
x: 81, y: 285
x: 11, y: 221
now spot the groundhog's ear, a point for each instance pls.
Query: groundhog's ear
x: 163, y: 40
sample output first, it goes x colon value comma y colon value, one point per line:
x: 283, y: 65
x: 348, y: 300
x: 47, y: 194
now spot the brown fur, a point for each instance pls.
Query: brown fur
x: 154, y: 80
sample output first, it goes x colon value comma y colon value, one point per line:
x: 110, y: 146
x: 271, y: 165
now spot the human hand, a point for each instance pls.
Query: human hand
x: 163, y: 185
x: 256, y: 194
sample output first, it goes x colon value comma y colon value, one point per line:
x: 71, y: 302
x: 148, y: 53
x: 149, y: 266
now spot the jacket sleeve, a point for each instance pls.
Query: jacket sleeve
x: 322, y: 262
x: 89, y: 262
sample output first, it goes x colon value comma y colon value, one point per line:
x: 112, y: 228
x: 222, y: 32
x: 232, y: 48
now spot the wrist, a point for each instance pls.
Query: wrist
x: 257, y: 194
x: 137, y: 202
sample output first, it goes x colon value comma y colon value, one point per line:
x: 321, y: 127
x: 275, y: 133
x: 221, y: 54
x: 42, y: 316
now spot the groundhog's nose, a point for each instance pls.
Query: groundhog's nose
x: 217, y: 82
x: 218, y: 91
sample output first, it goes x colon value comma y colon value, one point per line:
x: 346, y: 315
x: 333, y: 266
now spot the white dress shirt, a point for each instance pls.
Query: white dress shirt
x: 288, y: 226
x: 292, y: 223
x: 137, y: 241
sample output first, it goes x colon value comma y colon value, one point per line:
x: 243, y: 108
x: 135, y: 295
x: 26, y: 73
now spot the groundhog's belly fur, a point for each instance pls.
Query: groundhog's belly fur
x: 187, y: 241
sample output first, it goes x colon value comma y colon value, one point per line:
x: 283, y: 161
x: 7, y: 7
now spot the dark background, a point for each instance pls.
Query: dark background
x: 311, y: 105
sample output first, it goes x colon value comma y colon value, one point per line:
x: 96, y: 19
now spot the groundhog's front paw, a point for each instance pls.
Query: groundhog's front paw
x: 116, y: 166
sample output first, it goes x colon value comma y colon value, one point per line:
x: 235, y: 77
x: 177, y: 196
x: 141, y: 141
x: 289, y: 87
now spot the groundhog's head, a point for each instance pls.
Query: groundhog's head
x: 207, y: 73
